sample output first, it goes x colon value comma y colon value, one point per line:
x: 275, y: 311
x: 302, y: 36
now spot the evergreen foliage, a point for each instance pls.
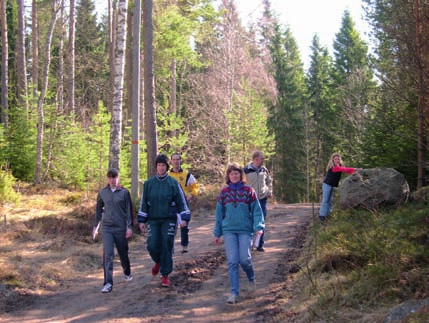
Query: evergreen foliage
x: 322, y: 118
x: 91, y: 61
x: 286, y: 118
x: 18, y: 145
x: 7, y: 192
x: 354, y: 89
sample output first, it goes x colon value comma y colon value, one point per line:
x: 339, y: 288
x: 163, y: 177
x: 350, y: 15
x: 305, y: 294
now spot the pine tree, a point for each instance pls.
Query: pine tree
x: 321, y: 111
x: 91, y: 67
x: 286, y: 118
x: 353, y: 81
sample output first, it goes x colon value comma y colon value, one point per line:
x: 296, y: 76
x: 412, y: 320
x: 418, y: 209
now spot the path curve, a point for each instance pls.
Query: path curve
x: 200, y: 281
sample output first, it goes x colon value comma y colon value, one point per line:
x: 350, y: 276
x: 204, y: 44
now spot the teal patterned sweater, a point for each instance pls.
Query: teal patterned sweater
x: 238, y: 211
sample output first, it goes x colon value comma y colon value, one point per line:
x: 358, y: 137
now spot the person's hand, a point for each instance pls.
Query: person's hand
x: 189, y: 197
x: 217, y: 241
x: 94, y: 232
x: 359, y: 168
x: 142, y: 226
x: 258, y: 233
x: 129, y: 233
x: 183, y: 224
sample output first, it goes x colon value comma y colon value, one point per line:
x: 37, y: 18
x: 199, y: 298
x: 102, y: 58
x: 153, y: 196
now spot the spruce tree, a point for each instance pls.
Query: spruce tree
x: 353, y: 83
x: 286, y: 118
x: 321, y: 112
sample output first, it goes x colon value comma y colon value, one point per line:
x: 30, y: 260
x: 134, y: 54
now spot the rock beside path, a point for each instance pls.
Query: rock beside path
x: 370, y: 188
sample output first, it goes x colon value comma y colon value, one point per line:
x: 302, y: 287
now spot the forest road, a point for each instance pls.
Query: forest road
x: 200, y: 281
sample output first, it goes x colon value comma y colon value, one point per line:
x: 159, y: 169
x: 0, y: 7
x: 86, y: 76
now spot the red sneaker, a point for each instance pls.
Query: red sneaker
x: 155, y: 269
x: 165, y: 282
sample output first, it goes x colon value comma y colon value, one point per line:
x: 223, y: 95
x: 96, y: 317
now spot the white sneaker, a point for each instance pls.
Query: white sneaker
x: 129, y: 277
x: 107, y: 288
x: 232, y: 299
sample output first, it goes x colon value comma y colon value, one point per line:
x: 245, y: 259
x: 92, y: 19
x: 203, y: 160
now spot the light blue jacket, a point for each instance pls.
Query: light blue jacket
x: 238, y: 211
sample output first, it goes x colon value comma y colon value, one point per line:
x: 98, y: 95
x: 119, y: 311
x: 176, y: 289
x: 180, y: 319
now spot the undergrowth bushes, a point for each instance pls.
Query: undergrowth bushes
x: 363, y: 259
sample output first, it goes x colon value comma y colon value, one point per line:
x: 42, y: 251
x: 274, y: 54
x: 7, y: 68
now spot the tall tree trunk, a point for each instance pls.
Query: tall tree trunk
x: 4, y: 65
x: 135, y: 145
x: 39, y: 148
x: 116, y: 121
x: 35, y: 48
x: 59, y: 108
x: 21, y: 62
x: 173, y: 102
x: 112, y: 45
x: 72, y: 31
x: 421, y: 95
x: 149, y: 85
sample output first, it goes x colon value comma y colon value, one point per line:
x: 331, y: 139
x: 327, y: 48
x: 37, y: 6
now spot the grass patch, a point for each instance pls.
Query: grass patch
x: 46, y: 244
x: 361, y: 263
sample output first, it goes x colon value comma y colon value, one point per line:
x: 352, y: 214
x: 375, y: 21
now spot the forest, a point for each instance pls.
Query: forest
x: 82, y: 91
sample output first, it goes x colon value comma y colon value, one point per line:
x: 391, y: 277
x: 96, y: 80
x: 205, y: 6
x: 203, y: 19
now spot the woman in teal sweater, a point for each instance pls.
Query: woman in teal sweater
x: 238, y: 216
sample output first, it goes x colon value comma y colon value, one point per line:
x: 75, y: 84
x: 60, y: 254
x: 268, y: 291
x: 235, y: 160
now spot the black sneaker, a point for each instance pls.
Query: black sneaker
x: 322, y: 218
x: 262, y: 249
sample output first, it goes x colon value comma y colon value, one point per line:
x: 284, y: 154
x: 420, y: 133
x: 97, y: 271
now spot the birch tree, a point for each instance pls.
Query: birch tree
x: 71, y: 80
x: 118, y: 89
x: 40, y: 112
x: 21, y: 61
x: 35, y: 47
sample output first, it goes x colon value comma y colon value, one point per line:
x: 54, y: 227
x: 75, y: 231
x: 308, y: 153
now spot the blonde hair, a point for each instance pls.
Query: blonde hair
x: 331, y: 161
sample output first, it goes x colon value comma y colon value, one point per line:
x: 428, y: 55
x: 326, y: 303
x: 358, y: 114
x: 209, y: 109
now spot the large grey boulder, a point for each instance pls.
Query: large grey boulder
x: 370, y: 188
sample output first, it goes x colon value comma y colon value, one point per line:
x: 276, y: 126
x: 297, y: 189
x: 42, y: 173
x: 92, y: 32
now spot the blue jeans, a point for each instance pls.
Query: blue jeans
x: 326, y: 206
x: 263, y: 204
x: 237, y: 247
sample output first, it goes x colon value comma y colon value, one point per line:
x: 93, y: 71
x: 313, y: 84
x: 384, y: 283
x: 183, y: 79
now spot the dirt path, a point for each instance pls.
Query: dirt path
x: 200, y: 282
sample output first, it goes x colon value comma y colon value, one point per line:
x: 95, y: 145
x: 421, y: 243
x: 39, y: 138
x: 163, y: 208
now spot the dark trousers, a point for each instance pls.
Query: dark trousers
x: 110, y: 240
x: 263, y: 204
x: 184, y: 235
x: 160, y: 243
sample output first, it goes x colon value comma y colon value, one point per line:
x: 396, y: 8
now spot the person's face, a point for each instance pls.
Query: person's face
x: 175, y: 161
x: 113, y: 181
x: 161, y: 169
x: 336, y: 160
x: 258, y: 161
x: 235, y: 176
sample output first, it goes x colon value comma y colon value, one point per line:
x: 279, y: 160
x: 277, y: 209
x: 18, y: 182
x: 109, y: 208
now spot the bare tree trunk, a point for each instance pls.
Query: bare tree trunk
x: 39, y: 148
x: 149, y: 93
x: 59, y: 109
x: 135, y: 145
x: 421, y: 96
x: 112, y: 46
x: 35, y: 48
x: 116, y: 121
x: 21, y: 62
x: 72, y: 31
x: 4, y: 65
x: 173, y: 103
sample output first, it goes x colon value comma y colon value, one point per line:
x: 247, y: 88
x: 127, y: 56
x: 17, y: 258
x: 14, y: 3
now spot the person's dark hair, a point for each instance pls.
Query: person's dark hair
x: 238, y: 168
x: 162, y: 159
x: 112, y: 173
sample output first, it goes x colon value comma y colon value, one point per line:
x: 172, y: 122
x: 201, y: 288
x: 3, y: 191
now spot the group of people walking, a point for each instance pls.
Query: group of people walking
x: 240, y: 215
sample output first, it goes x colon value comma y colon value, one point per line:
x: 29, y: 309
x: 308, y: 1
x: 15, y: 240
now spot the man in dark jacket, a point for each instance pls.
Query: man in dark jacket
x: 114, y: 210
